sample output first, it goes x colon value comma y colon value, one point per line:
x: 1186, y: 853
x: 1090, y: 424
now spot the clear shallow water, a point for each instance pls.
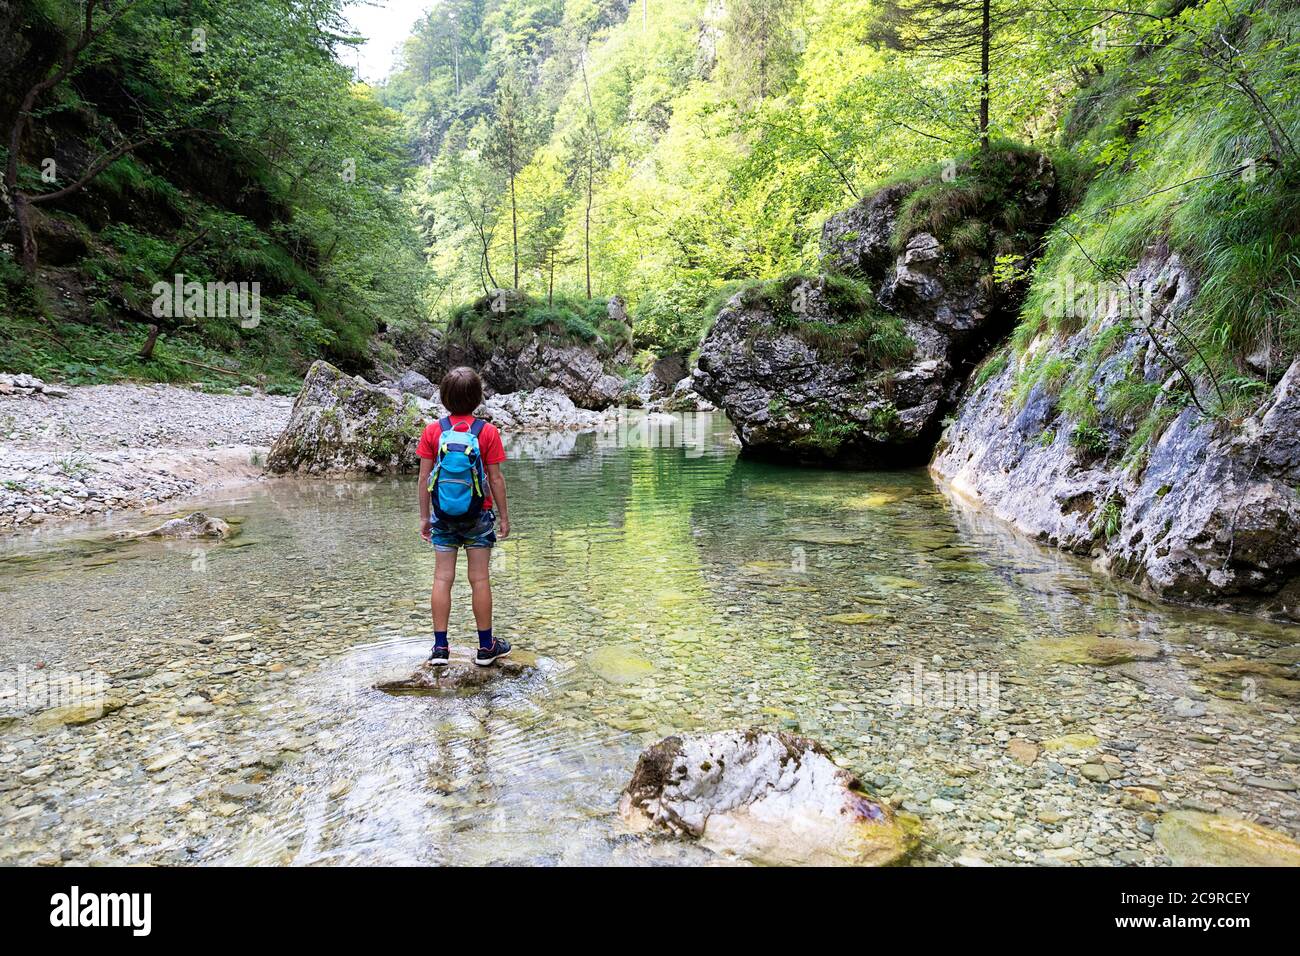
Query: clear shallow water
x: 666, y: 588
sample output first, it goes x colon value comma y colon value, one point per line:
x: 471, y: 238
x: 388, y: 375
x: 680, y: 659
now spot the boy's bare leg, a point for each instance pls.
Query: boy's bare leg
x: 480, y: 586
x: 444, y: 574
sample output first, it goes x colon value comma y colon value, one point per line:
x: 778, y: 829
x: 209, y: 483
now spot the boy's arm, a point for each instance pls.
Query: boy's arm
x: 497, y: 482
x: 422, y: 492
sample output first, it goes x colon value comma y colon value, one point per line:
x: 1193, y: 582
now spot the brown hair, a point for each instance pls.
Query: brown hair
x: 461, y: 390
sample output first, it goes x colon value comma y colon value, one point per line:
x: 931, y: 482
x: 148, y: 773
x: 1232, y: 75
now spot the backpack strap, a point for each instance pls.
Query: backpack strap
x: 444, y: 424
x: 476, y: 427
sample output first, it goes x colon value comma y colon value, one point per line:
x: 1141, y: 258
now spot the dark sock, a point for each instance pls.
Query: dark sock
x: 439, y: 638
x: 485, y: 639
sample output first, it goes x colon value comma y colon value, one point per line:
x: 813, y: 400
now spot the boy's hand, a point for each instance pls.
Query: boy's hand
x: 426, y: 529
x: 504, y: 529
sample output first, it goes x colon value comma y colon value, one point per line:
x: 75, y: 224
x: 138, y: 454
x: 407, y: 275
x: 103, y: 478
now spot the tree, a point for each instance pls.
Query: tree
x: 98, y: 19
x: 759, y: 45
x: 584, y: 160
x: 958, y: 31
x: 508, y: 148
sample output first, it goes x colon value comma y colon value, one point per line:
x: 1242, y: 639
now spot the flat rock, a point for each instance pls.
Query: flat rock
x: 461, y: 673
x: 195, y: 525
x: 1093, y: 649
x: 766, y: 797
x: 1193, y: 838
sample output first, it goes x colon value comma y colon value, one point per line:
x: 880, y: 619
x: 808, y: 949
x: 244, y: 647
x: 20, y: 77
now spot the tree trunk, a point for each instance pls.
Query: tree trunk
x: 586, y: 242
x: 146, y: 350
x: 986, y: 38
x: 550, y: 282
x: 26, y: 231
x: 514, y: 224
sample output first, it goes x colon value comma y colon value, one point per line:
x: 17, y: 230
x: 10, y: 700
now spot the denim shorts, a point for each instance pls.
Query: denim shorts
x: 447, y: 536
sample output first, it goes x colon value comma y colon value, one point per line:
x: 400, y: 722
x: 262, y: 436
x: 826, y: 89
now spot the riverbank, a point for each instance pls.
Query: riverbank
x: 90, y: 451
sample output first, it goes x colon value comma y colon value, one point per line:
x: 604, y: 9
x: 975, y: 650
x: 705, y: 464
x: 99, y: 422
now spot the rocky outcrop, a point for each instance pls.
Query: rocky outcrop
x: 576, y: 370
x: 817, y: 370
x: 1184, y: 503
x: 767, y: 797
x: 341, y: 423
x: 494, y: 336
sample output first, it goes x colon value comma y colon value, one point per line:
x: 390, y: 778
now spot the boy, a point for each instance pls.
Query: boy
x: 461, y: 391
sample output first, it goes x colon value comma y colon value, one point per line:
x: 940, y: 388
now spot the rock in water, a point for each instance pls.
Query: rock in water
x: 461, y: 674
x: 820, y: 370
x: 342, y: 423
x: 769, y: 797
x: 196, y: 525
x: 1193, y: 838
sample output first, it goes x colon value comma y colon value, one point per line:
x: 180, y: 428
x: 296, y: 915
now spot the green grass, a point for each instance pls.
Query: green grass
x: 980, y: 209
x: 854, y: 325
x: 1176, y: 183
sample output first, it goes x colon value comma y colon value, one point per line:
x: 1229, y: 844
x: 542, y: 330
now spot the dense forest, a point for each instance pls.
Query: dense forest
x: 664, y: 151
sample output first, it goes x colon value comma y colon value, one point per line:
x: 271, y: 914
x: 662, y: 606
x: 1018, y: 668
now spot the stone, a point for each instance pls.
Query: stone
x: 343, y: 424
x: 413, y: 383
x: 76, y: 715
x: 1071, y: 742
x: 461, y: 673
x: 195, y: 525
x: 766, y: 797
x: 239, y: 792
x: 1095, y: 650
x: 1195, y: 838
x: 619, y: 665
x: 1022, y: 751
x: 1187, y: 708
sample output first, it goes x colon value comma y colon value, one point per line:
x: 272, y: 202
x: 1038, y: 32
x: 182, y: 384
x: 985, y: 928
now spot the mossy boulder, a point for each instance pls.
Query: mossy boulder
x: 859, y: 366
x: 343, y: 424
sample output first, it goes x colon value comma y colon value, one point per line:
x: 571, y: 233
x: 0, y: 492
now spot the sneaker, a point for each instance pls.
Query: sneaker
x: 486, y: 655
x: 440, y: 657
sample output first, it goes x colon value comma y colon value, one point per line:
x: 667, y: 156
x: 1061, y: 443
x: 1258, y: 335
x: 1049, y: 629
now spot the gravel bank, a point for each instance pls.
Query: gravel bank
x: 106, y: 448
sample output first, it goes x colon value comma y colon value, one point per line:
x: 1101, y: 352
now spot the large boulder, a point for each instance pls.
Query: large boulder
x: 859, y: 367
x: 341, y: 423
x: 1189, y: 506
x: 767, y: 797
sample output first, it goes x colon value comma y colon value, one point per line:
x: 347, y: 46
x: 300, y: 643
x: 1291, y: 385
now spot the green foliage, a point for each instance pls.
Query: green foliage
x: 851, y: 324
x: 566, y: 320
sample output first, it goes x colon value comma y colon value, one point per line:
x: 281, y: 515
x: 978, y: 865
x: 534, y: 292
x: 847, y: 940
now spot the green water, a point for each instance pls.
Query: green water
x: 665, y: 588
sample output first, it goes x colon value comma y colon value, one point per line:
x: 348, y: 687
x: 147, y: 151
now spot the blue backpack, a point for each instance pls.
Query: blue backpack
x: 456, y: 486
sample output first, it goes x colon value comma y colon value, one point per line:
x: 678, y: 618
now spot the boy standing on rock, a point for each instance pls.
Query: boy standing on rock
x: 459, y: 456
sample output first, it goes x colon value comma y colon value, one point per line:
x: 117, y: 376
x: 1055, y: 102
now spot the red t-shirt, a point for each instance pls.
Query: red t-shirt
x: 489, y: 443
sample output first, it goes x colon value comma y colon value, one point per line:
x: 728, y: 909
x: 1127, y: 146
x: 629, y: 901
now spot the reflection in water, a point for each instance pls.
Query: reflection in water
x: 668, y: 586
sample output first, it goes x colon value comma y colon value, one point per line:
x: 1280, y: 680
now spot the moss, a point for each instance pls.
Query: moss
x: 854, y: 327
x: 511, y: 318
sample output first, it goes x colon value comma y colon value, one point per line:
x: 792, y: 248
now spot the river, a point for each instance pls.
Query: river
x: 1000, y: 691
